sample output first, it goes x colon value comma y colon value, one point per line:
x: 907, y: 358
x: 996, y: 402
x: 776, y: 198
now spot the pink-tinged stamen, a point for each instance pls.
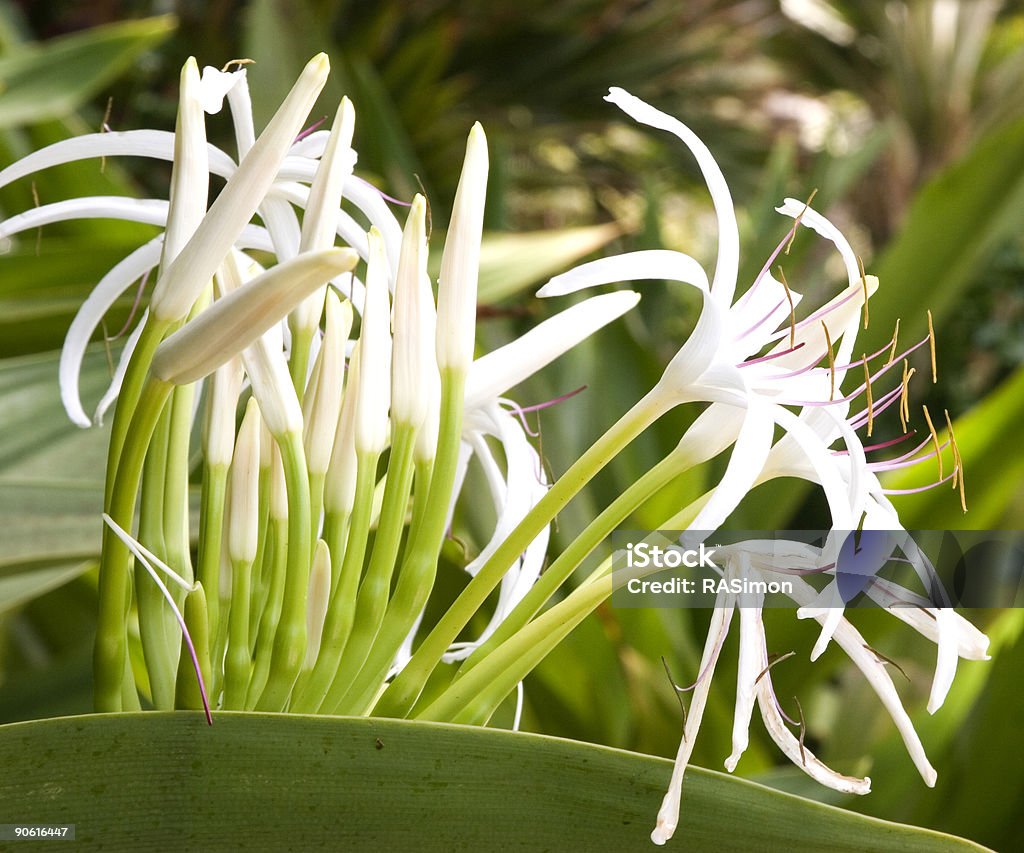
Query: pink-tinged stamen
x: 817, y: 315
x: 934, y: 485
x: 764, y: 320
x: 884, y: 402
x: 880, y: 446
x: 313, y: 128
x: 135, y: 306
x: 140, y: 553
x: 802, y: 370
x: 767, y: 266
x: 893, y: 465
x: 520, y: 411
x: 772, y: 355
x: 383, y: 194
x: 863, y: 386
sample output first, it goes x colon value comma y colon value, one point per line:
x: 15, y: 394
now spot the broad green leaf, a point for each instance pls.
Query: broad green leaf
x: 53, y: 79
x: 48, y: 521
x: 29, y: 581
x: 952, y: 226
x: 272, y: 782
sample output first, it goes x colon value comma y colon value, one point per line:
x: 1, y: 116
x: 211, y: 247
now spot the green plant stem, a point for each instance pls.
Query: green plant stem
x: 400, y: 697
x: 290, y: 638
x: 298, y: 364
x: 238, y: 661
x: 578, y: 550
x: 341, y: 611
x: 187, y: 694
x: 366, y: 683
x: 211, y: 526
x: 276, y: 557
x: 114, y: 588
x: 376, y: 586
x: 176, y: 520
x: 155, y: 632
x: 419, y: 567
x: 473, y: 698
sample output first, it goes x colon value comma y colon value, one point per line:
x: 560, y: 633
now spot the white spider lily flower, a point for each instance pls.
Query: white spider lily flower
x: 460, y: 260
x: 374, y: 394
x: 414, y: 366
x: 237, y: 319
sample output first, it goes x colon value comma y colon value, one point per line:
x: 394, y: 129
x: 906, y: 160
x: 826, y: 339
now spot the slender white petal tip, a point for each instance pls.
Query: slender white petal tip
x: 460, y: 261
x: 233, y: 322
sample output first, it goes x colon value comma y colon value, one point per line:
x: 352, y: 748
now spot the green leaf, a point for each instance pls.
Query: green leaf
x: 29, y: 581
x: 52, y: 80
x: 272, y: 782
x: 954, y: 223
x: 510, y: 263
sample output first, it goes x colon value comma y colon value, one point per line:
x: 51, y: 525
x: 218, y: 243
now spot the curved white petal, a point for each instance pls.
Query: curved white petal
x: 946, y: 658
x: 724, y: 284
x: 155, y: 144
x: 110, y: 395
x: 215, y: 85
x: 148, y: 211
x: 92, y: 311
x: 744, y: 468
x: 633, y: 266
x: 492, y: 375
x: 753, y: 658
x: 816, y: 222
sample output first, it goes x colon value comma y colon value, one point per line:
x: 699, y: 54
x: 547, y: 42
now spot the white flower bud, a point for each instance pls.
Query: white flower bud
x: 234, y: 321
x: 318, y: 598
x: 243, y: 509
x: 415, y: 320
x: 460, y: 261
x: 374, y: 399
x: 219, y: 433
x: 340, y: 484
x: 323, y: 397
x: 181, y: 283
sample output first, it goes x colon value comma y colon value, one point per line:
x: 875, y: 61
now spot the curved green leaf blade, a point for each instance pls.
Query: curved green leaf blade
x: 272, y: 782
x: 54, y: 79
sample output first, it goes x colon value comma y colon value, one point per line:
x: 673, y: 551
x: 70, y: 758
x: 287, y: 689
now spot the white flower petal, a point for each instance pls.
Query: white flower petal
x: 753, y: 658
x: 493, y: 374
x: 89, y: 316
x: 946, y: 658
x: 659, y: 264
x: 810, y: 218
x: 724, y: 284
x: 215, y: 84
x: 110, y: 395
x: 148, y: 211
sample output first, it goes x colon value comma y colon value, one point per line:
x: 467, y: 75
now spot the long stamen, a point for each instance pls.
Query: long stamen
x: 772, y: 355
x: 905, y: 400
x: 796, y: 221
x: 958, y: 461
x: 931, y: 346
x: 915, y: 491
x: 792, y: 309
x: 906, y: 462
x: 881, y: 445
x: 935, y: 437
x: 141, y: 552
x: 895, y: 340
x: 884, y: 402
x: 867, y: 387
x: 831, y: 363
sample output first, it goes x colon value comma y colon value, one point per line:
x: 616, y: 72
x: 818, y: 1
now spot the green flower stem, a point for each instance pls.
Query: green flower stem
x: 290, y: 638
x: 473, y: 698
x: 153, y: 332
x: 579, y: 549
x: 176, y: 520
x: 367, y: 682
x: 403, y: 692
x: 211, y: 526
x: 276, y: 559
x: 419, y: 568
x: 336, y: 525
x: 298, y: 364
x: 372, y: 601
x: 157, y: 626
x: 114, y: 589
x: 316, y: 500
x: 342, y: 608
x: 197, y: 619
x: 261, y: 566
x: 238, y: 661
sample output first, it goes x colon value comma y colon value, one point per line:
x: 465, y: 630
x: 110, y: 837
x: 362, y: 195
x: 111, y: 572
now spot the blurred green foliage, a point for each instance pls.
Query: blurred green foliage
x: 908, y: 117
